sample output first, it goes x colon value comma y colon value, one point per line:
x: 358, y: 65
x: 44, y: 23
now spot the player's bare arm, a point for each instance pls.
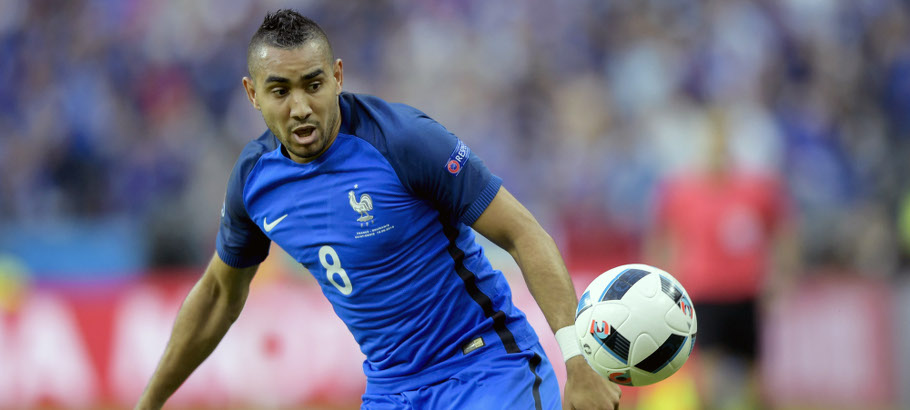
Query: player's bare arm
x: 507, y: 223
x: 211, y: 307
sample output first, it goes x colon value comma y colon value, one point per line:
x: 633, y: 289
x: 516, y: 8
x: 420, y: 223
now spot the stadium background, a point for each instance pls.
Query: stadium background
x: 121, y: 120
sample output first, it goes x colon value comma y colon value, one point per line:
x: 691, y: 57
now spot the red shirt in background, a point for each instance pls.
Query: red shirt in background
x: 721, y: 230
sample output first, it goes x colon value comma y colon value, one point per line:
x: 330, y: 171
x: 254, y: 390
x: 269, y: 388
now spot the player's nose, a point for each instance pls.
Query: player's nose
x: 300, y: 106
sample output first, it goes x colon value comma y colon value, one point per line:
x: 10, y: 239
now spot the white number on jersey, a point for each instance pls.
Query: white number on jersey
x: 334, y: 269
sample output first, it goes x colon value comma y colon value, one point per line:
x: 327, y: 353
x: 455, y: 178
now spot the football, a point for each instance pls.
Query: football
x: 635, y: 325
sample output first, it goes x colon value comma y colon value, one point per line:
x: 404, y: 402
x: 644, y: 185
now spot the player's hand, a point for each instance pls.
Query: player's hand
x: 585, y: 389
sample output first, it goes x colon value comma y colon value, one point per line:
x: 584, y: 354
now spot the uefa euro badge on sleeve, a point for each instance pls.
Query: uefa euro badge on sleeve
x: 458, y: 158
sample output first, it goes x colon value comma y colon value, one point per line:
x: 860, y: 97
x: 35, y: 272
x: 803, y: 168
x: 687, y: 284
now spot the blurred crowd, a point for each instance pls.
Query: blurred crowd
x: 134, y: 109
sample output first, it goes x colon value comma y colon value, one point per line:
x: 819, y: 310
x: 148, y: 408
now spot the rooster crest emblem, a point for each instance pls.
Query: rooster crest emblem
x: 362, y: 207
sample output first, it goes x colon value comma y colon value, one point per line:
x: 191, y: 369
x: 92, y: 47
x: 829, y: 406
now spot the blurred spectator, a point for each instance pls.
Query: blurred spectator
x: 107, y: 106
x: 725, y: 233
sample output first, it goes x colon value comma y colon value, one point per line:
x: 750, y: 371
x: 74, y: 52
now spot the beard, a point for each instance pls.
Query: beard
x: 311, y: 144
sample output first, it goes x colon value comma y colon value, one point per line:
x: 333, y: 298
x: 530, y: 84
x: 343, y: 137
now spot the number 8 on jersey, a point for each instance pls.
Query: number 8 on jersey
x: 334, y: 268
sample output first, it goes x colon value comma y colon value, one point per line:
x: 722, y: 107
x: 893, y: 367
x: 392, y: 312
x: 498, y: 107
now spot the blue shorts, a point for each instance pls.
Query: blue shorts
x: 523, y: 380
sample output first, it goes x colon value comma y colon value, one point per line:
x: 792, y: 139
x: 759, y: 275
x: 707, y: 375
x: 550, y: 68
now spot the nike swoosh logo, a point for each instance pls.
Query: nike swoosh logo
x: 269, y: 226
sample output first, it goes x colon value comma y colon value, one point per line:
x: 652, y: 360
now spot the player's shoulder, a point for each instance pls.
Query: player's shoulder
x: 250, y: 155
x: 257, y: 147
x: 364, y: 108
x: 370, y: 117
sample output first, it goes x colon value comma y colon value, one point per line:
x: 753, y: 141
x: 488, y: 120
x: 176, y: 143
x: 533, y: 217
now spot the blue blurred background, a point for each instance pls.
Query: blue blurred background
x: 121, y: 119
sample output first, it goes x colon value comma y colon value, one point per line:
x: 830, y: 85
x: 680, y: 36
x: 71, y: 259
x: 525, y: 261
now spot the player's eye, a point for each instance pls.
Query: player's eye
x: 315, y: 86
x: 280, y: 92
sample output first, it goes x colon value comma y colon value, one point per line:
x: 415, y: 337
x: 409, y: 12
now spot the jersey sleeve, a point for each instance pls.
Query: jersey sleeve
x: 440, y: 168
x: 240, y: 242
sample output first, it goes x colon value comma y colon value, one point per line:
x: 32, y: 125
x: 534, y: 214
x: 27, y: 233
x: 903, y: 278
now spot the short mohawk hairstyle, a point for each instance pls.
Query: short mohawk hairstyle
x: 286, y: 29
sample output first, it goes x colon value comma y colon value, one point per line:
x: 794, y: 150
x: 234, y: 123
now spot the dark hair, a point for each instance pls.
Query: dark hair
x: 286, y: 29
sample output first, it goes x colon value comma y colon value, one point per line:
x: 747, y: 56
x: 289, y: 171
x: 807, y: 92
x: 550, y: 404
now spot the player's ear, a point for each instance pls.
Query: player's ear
x: 338, y: 73
x: 250, y: 92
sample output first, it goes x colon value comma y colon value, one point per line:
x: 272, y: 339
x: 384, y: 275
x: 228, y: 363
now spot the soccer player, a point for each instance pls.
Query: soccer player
x: 378, y: 200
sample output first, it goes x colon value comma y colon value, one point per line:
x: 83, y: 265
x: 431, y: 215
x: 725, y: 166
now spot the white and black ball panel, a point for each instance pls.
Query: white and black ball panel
x: 677, y: 321
x: 642, y: 319
x: 648, y: 286
x: 644, y: 346
x: 607, y: 372
x: 614, y: 312
x: 582, y: 322
x: 636, y: 324
x: 601, y: 329
x: 643, y: 374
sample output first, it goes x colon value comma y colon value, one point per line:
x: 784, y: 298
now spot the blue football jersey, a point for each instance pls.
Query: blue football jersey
x: 382, y: 220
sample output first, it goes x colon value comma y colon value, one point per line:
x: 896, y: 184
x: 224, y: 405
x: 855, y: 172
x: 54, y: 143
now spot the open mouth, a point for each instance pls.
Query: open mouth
x: 304, y: 134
